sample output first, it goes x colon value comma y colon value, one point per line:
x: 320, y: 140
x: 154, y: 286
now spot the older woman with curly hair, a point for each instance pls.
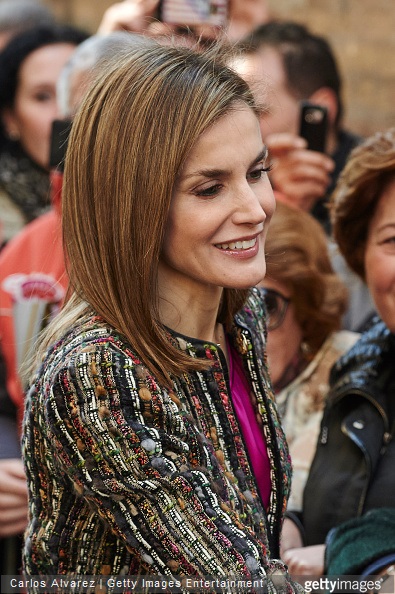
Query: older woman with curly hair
x: 305, y: 301
x: 352, y: 472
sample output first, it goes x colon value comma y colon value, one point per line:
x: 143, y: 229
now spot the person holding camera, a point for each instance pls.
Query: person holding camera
x: 287, y: 65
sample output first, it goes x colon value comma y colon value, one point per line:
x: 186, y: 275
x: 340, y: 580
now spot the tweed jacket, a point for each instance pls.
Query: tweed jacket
x: 127, y: 477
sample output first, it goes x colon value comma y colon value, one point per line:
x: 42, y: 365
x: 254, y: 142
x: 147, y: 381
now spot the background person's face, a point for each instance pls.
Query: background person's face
x: 265, y: 73
x: 283, y: 343
x: 35, y: 105
x: 380, y: 256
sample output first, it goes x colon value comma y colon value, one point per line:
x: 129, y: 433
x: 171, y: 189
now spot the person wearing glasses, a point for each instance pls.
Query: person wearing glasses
x: 305, y: 302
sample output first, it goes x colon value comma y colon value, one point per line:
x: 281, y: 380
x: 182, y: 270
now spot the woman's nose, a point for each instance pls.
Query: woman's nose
x: 254, y: 205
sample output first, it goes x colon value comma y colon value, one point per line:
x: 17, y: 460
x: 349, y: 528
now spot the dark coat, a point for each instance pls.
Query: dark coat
x: 353, y: 468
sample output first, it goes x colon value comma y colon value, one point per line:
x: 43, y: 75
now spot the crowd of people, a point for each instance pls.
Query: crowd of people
x: 197, y: 311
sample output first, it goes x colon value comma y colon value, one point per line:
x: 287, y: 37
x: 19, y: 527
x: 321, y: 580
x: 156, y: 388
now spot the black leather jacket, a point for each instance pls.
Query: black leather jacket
x: 353, y: 468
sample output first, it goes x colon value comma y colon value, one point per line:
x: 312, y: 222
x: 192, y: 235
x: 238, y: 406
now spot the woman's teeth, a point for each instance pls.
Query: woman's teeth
x: 237, y: 245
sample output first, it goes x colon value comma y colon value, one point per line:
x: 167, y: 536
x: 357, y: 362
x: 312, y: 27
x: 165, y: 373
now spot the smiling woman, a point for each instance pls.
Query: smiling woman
x: 216, y: 227
x: 164, y: 451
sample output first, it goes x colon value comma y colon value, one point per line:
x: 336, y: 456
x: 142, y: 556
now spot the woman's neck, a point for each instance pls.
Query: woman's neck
x: 190, y: 318
x: 191, y: 311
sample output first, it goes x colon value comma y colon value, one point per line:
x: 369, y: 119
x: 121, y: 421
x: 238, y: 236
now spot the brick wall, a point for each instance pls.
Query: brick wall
x: 362, y: 33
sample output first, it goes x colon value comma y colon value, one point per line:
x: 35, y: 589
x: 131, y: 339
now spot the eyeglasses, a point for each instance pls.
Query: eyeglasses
x: 276, y: 307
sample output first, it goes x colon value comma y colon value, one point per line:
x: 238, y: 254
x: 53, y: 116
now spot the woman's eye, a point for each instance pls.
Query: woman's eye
x: 256, y: 174
x: 211, y: 191
x: 43, y: 97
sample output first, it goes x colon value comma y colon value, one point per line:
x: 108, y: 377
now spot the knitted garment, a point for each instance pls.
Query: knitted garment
x: 126, y: 477
x: 354, y: 545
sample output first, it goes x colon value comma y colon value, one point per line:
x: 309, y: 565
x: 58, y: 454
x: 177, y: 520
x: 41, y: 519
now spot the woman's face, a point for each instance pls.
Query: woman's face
x: 380, y: 256
x: 35, y: 105
x: 221, y: 206
x: 283, y: 342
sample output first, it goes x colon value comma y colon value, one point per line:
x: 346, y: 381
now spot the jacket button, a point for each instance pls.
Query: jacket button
x: 358, y: 424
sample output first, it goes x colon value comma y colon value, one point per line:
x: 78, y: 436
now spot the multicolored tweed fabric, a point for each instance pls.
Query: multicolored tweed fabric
x: 126, y: 477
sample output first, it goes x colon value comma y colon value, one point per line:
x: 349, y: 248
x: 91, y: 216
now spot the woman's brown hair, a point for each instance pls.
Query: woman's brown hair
x: 298, y: 256
x: 369, y: 169
x: 128, y: 143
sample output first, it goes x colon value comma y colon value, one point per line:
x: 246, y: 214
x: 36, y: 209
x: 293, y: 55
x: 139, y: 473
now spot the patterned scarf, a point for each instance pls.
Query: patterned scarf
x: 26, y: 183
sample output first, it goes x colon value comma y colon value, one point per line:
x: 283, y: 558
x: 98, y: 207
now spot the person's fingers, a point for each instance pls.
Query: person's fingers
x: 304, y: 200
x: 312, y: 158
x: 132, y: 15
x: 12, y: 467
x: 284, y: 142
x: 12, y: 478
x: 292, y: 151
x: 305, y: 560
x: 10, y: 501
x: 13, y: 518
x: 12, y: 527
x: 303, y: 172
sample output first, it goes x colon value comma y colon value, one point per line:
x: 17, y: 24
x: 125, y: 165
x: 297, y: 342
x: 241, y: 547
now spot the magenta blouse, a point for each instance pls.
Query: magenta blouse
x: 252, y: 432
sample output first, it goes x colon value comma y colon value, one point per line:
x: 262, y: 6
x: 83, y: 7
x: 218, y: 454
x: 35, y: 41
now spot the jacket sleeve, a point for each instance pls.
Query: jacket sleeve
x: 130, y: 451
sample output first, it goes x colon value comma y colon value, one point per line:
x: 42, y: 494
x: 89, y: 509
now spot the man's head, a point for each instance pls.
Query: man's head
x: 294, y: 65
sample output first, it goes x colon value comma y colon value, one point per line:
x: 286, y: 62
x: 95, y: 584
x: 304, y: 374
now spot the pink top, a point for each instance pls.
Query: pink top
x: 252, y: 432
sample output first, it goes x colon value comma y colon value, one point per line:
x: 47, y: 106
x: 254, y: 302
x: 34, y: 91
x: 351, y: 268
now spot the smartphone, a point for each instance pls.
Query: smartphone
x: 59, y: 138
x: 194, y: 12
x: 314, y: 125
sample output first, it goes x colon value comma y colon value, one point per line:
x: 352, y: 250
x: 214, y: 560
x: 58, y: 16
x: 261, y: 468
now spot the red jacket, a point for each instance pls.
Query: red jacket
x: 31, y: 266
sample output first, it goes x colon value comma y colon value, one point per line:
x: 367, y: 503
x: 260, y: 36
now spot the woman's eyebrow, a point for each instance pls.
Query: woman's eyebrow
x: 387, y: 225
x: 262, y: 156
x: 215, y: 172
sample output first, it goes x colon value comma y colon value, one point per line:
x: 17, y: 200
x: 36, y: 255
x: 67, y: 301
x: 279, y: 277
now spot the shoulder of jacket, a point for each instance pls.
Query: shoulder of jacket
x: 365, y: 353
x: 90, y: 339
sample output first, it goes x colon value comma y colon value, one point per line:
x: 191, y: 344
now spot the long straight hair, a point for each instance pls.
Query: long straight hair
x: 129, y: 141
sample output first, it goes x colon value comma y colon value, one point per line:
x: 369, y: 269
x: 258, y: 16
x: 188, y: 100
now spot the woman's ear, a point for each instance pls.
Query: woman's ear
x: 10, y: 124
x: 327, y: 98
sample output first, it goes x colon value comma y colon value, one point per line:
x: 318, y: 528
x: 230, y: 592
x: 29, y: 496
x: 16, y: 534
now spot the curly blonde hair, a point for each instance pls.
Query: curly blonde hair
x: 298, y: 256
x: 369, y: 170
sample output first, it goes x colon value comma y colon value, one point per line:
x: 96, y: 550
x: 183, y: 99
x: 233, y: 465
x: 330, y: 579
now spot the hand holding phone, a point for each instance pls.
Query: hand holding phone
x: 313, y: 125
x: 194, y: 12
x: 128, y: 15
